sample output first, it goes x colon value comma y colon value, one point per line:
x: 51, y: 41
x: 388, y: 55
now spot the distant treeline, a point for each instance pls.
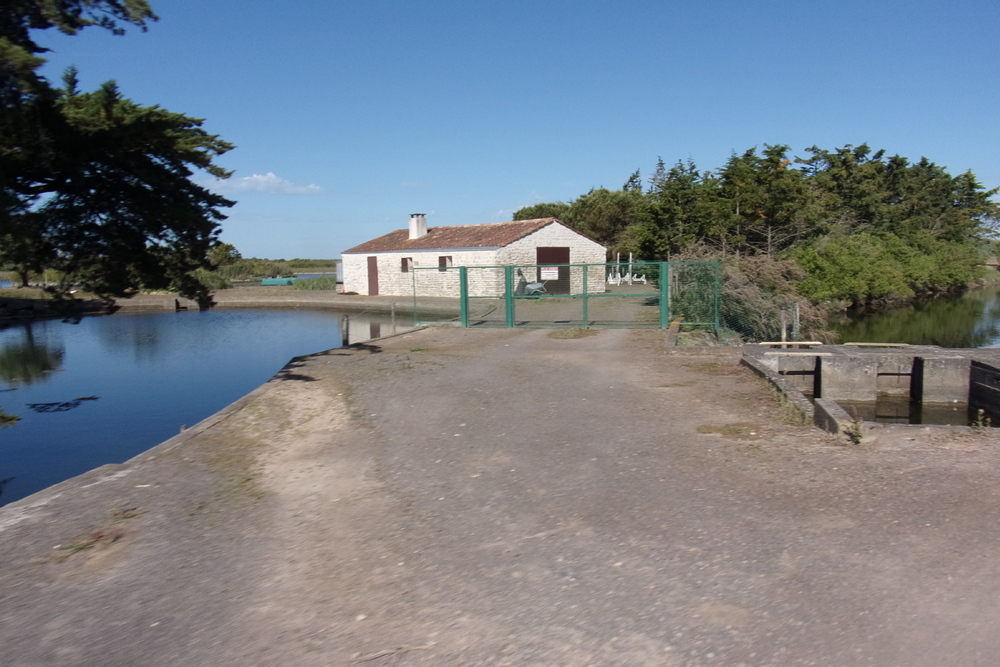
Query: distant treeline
x: 229, y: 265
x: 226, y: 265
x: 850, y: 225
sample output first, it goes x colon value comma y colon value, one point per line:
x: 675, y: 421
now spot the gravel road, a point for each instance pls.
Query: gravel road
x: 511, y: 497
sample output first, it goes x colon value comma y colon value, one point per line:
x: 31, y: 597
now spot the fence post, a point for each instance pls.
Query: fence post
x: 664, y: 295
x: 586, y: 320
x: 508, y: 295
x: 463, y: 294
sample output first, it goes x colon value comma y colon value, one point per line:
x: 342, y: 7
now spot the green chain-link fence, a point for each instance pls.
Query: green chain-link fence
x: 638, y: 294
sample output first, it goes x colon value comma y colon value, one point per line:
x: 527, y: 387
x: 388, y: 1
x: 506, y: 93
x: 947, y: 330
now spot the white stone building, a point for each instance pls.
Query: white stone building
x: 394, y: 264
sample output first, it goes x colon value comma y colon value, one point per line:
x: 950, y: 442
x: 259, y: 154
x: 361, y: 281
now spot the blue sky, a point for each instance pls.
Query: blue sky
x: 349, y: 116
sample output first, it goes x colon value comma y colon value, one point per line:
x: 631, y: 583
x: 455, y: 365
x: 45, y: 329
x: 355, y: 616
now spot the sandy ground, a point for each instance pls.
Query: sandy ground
x: 506, y: 497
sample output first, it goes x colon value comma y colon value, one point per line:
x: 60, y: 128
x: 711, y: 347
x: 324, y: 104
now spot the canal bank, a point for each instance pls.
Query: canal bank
x: 14, y: 309
x: 512, y: 497
x: 286, y: 296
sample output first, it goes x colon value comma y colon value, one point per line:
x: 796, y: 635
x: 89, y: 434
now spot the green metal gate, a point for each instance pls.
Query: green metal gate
x: 640, y: 294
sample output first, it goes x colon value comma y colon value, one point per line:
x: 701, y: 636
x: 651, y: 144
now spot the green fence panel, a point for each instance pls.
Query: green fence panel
x: 625, y: 295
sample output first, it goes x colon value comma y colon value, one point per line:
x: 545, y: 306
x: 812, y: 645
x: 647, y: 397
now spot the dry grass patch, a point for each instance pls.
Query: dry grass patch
x: 568, y: 334
x: 716, y: 367
x: 105, y: 536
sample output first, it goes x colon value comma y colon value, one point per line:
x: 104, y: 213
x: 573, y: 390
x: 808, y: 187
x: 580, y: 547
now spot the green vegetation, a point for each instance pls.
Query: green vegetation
x: 981, y: 422
x: 320, y: 283
x: 227, y: 264
x: 93, y: 185
x: 313, y: 265
x: 843, y: 227
x: 255, y: 269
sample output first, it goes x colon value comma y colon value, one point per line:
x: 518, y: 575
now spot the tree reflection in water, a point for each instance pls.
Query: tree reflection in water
x: 61, y: 406
x: 28, y: 361
x: 968, y: 320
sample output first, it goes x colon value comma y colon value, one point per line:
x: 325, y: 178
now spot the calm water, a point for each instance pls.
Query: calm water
x: 968, y: 320
x: 108, y: 388
x: 971, y: 319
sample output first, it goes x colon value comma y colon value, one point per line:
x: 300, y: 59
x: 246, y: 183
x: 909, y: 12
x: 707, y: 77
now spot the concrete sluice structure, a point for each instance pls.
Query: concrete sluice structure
x: 838, y: 386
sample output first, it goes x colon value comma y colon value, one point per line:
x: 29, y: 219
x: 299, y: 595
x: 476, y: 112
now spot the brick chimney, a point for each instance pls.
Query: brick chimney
x: 418, y: 225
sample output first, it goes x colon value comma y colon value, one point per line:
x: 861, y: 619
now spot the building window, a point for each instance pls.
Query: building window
x: 444, y: 262
x: 406, y: 264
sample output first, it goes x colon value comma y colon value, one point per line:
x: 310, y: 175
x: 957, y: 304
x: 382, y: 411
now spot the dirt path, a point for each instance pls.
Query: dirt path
x: 462, y: 497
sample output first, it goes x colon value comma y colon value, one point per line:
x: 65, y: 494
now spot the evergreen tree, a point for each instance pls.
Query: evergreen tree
x: 550, y: 210
x: 93, y: 184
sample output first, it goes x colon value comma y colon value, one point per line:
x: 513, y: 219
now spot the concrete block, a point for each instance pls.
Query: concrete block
x: 800, y: 371
x: 771, y: 363
x: 792, y: 364
x: 943, y: 379
x: 894, y: 375
x: 848, y: 379
x: 831, y: 417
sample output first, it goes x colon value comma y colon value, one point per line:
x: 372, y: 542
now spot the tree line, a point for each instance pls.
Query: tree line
x: 849, y: 224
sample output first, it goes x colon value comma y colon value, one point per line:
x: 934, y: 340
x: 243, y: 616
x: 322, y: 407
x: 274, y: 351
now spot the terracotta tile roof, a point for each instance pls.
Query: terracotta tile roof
x: 490, y: 235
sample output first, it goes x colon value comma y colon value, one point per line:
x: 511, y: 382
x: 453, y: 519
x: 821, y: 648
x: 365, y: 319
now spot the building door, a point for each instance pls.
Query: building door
x: 373, y: 276
x: 556, y: 279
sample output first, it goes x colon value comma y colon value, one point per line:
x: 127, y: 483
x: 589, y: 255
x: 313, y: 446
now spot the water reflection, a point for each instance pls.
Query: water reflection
x: 60, y: 406
x: 29, y: 360
x: 139, y: 336
x: 901, y: 410
x: 971, y: 319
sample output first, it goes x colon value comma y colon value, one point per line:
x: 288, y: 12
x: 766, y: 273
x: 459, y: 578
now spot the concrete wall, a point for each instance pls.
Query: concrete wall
x: 926, y: 378
x: 767, y: 368
x: 844, y: 378
x: 895, y: 375
x: 942, y: 379
x: 800, y: 370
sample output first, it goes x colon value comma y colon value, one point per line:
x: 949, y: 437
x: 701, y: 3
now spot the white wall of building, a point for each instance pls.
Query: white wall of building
x: 393, y: 281
x: 581, y: 251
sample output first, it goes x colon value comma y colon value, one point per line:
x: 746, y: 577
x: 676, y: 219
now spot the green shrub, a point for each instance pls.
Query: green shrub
x: 255, y: 269
x: 863, y: 267
x: 211, y: 279
x: 320, y: 283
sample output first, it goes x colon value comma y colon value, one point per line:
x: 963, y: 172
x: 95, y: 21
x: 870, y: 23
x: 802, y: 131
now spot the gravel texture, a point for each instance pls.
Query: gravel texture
x: 513, y: 497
